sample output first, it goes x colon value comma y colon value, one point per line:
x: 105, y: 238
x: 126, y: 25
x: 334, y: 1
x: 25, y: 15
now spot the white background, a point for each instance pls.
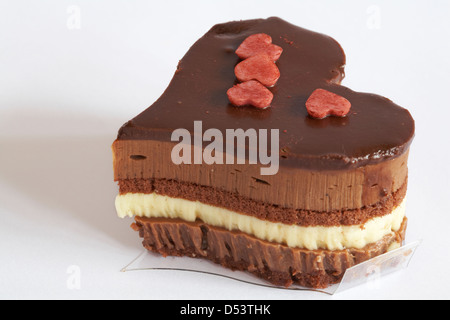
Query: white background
x: 68, y: 84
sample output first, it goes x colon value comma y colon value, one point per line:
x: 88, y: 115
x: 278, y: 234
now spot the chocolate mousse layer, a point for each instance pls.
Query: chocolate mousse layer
x: 295, y: 188
x: 273, y: 262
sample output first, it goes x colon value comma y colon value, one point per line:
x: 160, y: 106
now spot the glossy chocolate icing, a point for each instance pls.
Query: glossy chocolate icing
x: 375, y: 130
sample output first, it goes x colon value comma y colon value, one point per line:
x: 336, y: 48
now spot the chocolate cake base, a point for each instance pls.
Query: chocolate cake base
x: 276, y: 263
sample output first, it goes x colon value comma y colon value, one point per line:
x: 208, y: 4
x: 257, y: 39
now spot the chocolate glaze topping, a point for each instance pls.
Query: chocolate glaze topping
x: 375, y: 130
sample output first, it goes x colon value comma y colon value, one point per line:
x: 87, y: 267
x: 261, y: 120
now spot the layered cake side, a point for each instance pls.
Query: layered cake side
x: 319, y: 196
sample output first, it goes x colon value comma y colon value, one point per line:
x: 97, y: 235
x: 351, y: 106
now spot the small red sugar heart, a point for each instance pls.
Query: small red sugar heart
x: 250, y: 93
x: 323, y: 103
x: 259, y: 67
x: 256, y: 44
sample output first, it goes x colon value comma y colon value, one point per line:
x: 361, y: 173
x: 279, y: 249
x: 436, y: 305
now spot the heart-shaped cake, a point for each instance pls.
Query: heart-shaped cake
x: 257, y: 158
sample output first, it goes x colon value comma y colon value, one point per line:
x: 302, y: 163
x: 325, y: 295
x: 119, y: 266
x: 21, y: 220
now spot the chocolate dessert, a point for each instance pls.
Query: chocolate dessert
x: 256, y: 158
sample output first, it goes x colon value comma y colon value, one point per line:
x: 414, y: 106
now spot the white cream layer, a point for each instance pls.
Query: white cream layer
x: 311, y: 238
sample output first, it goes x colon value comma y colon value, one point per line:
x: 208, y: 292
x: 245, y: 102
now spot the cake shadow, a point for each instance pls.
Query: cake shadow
x: 47, y: 180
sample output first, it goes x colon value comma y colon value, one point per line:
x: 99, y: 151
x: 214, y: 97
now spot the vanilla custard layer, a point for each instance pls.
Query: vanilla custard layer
x: 311, y: 238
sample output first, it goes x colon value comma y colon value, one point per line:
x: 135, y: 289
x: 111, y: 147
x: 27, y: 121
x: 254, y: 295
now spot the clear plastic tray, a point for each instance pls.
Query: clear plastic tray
x: 369, y: 271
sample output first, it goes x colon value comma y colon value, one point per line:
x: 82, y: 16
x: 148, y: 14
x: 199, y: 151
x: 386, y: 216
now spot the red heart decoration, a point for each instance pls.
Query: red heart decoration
x: 250, y: 93
x: 260, y: 67
x: 323, y: 103
x: 257, y: 44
